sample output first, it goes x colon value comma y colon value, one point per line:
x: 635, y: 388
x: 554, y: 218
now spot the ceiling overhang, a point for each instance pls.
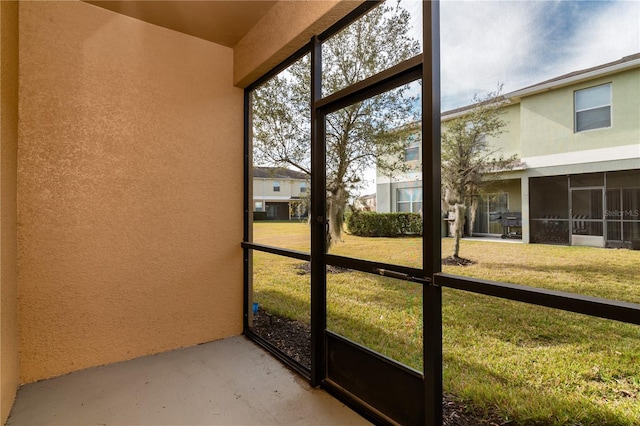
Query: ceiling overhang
x: 221, y: 22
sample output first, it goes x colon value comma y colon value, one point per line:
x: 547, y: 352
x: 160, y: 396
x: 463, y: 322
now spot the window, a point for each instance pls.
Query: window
x: 303, y: 187
x: 593, y: 108
x: 411, y: 153
x: 258, y: 207
x: 276, y: 186
x: 409, y: 200
x: 491, y: 207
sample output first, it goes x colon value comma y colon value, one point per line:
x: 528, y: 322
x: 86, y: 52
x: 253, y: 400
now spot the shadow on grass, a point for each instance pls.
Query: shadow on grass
x: 631, y: 273
x: 528, y: 325
x: 489, y: 394
x: 510, y: 393
x: 377, y: 337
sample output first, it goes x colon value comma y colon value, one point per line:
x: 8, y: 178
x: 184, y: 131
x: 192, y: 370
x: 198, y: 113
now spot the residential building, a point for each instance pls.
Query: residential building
x: 365, y: 202
x: 577, y: 177
x: 282, y: 194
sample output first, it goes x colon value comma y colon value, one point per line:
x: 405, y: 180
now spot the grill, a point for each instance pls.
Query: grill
x: 511, y: 225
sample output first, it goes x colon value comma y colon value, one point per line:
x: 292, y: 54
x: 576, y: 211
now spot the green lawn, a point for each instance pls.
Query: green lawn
x: 530, y: 364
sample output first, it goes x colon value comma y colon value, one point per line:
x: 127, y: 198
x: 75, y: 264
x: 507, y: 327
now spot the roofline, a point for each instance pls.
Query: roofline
x: 626, y: 63
x: 278, y: 173
x: 277, y: 178
x: 573, y: 78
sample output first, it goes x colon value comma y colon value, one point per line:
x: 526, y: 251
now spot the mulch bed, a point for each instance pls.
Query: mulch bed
x: 457, y: 261
x: 294, y: 339
x: 305, y: 269
x: 291, y: 337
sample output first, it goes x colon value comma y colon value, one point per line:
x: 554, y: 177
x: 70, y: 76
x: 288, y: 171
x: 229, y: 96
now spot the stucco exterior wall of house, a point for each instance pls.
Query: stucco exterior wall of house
x: 130, y: 135
x: 288, y: 188
x: 513, y: 188
x: 548, y: 119
x: 509, y: 143
x: 9, y: 366
x: 287, y: 27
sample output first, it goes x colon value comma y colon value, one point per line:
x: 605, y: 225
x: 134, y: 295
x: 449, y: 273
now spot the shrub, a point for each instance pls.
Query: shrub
x: 371, y: 224
x: 259, y: 215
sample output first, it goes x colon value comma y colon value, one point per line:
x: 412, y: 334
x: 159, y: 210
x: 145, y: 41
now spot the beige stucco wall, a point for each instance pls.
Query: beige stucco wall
x: 287, y: 27
x: 9, y: 367
x: 513, y: 188
x: 129, y: 189
x: 288, y: 188
x: 508, y: 143
x: 548, y: 118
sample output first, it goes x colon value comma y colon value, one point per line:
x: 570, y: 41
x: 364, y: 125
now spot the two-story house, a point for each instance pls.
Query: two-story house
x: 281, y: 193
x: 577, y: 138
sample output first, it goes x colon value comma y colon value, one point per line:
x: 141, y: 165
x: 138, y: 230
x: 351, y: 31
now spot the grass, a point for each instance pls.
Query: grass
x: 524, y: 363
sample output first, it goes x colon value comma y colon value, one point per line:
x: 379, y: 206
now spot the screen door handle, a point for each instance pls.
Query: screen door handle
x: 402, y: 276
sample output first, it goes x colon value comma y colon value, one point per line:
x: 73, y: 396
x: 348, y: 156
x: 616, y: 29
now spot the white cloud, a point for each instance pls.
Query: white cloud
x: 483, y: 43
x: 604, y: 37
x: 520, y: 43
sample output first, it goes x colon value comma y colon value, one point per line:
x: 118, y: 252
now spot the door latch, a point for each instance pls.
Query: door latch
x: 403, y: 276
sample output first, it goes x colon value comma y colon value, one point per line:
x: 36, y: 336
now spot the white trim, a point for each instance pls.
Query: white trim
x: 625, y: 152
x: 574, y: 79
x: 587, y: 240
x: 514, y: 97
x: 400, y: 178
x: 271, y: 198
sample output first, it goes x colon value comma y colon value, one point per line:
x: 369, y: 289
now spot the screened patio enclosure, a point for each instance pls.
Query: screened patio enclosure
x: 598, y: 209
x: 338, y: 124
x: 314, y: 114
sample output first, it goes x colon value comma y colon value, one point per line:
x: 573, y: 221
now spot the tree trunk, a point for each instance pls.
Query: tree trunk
x: 473, y: 210
x: 336, y: 201
x: 458, y: 227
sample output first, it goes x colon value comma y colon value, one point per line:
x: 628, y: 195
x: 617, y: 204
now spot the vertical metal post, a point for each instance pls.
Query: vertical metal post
x: 432, y: 215
x: 246, y: 209
x: 318, y: 223
x: 604, y: 209
x: 570, y: 204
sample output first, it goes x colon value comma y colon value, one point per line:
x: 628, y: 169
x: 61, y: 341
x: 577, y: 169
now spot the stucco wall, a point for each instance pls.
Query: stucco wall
x: 288, y: 188
x: 287, y: 27
x: 508, y: 143
x: 548, y: 118
x: 8, y: 154
x: 129, y: 189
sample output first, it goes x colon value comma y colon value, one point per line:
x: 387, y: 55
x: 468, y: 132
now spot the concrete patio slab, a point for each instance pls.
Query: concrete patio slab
x: 227, y: 382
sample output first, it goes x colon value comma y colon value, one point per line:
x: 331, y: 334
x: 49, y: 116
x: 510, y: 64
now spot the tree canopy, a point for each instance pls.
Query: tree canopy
x: 467, y: 156
x: 368, y: 134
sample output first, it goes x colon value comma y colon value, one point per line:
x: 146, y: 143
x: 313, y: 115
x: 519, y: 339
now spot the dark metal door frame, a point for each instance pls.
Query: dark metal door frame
x: 572, y: 215
x: 422, y: 396
x: 427, y: 388
x: 432, y: 313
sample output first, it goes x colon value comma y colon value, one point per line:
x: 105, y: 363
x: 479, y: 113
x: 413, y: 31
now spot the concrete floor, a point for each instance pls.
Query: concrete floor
x: 228, y: 382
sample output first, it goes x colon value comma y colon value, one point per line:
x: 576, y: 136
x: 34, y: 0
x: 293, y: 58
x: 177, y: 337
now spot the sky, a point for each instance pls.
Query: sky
x: 519, y: 42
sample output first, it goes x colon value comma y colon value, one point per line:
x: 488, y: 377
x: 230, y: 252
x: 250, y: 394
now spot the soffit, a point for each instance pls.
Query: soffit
x: 221, y: 22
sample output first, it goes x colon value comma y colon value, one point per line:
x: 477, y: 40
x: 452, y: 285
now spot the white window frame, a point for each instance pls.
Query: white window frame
x: 413, y: 192
x: 414, y: 145
x: 487, y: 199
x: 415, y: 148
x: 576, y: 111
x: 276, y: 186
